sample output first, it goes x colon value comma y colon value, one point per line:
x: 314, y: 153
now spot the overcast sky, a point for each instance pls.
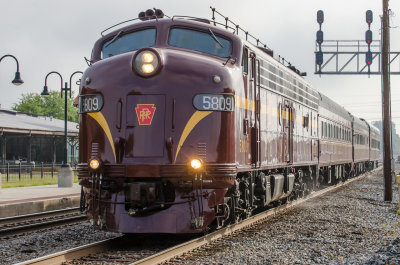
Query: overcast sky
x: 55, y: 35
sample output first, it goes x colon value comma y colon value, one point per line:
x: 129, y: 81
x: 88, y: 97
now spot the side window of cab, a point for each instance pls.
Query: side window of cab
x: 245, y: 61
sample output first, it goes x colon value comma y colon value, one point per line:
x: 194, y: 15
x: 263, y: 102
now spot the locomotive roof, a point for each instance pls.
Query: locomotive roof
x: 163, y: 23
x: 197, y: 22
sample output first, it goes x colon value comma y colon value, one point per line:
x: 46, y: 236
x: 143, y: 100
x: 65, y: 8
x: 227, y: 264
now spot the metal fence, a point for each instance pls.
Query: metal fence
x: 12, y: 173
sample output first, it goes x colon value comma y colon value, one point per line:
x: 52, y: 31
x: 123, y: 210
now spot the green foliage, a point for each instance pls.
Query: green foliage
x: 51, y: 106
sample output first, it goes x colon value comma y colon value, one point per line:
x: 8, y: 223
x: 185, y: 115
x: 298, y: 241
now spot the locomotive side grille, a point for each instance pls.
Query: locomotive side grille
x: 212, y: 170
x: 83, y: 170
x: 109, y: 170
x: 173, y: 170
x: 202, y: 151
x: 95, y: 149
x: 221, y: 170
x: 114, y: 171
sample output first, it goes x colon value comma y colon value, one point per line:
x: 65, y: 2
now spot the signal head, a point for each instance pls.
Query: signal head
x: 368, y: 58
x: 320, y: 36
x: 368, y: 17
x: 320, y: 17
x: 319, y: 58
x: 368, y: 37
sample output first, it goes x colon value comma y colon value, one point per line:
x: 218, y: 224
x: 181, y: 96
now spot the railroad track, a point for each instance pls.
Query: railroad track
x: 88, y: 253
x: 16, y: 225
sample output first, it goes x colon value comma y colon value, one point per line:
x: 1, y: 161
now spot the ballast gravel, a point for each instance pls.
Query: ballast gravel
x: 352, y: 225
x: 38, y: 244
x: 349, y: 226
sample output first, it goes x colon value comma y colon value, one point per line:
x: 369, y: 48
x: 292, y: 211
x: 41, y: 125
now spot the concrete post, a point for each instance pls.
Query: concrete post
x: 65, y: 177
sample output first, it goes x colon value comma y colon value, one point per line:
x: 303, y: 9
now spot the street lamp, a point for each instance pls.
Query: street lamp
x: 17, y: 80
x: 66, y: 172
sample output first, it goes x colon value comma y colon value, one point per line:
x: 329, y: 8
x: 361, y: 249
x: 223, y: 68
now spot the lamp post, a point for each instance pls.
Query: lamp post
x: 65, y: 176
x: 17, y: 80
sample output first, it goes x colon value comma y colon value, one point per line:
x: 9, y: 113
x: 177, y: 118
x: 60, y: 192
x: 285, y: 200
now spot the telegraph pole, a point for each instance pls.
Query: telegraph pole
x: 386, y: 119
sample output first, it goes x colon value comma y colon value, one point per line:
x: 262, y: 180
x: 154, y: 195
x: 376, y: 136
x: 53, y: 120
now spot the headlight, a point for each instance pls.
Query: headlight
x: 146, y: 62
x: 94, y: 164
x: 196, y: 164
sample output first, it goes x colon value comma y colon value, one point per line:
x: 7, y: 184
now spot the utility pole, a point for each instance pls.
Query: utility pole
x: 387, y: 146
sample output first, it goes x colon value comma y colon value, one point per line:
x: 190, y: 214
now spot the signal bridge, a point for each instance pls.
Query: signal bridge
x: 350, y: 57
x: 349, y: 52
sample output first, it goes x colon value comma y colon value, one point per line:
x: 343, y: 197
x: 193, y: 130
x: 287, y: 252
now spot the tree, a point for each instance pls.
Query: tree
x: 51, y: 106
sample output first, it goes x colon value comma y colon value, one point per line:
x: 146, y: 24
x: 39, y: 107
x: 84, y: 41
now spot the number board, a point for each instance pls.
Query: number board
x: 90, y: 103
x: 214, y: 102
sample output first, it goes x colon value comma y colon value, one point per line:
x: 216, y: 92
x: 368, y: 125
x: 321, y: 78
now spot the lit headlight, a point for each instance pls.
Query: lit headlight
x: 94, y: 164
x: 196, y: 164
x: 146, y: 62
x: 147, y: 57
x: 147, y: 68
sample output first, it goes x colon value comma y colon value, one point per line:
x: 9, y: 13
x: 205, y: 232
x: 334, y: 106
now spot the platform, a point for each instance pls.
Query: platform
x: 27, y: 200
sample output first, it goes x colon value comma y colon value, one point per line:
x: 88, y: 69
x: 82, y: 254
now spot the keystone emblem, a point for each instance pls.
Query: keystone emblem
x: 145, y: 113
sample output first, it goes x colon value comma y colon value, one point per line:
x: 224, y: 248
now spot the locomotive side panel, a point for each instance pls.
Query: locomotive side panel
x: 288, y: 135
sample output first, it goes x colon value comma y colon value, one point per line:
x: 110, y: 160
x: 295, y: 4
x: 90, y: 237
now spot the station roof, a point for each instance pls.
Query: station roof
x: 24, y: 123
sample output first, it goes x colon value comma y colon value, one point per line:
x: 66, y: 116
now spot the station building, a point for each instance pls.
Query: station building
x: 26, y: 138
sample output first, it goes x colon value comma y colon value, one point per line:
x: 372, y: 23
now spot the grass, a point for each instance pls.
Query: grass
x: 35, y: 181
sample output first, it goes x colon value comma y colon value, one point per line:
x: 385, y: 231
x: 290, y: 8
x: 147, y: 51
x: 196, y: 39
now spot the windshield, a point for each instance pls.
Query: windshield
x: 122, y: 43
x: 200, y: 41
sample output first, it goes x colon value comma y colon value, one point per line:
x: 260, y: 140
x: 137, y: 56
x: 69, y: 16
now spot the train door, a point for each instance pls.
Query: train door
x: 314, y: 134
x: 288, y: 125
x: 256, y: 106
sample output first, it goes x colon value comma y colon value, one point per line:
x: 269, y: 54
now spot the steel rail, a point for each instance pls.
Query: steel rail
x: 17, y: 230
x: 23, y: 226
x: 179, y: 250
x: 74, y: 253
x: 26, y: 217
x: 183, y: 248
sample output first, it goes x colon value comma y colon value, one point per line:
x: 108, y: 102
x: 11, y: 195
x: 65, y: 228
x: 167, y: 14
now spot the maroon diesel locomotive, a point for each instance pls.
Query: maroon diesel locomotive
x: 186, y: 126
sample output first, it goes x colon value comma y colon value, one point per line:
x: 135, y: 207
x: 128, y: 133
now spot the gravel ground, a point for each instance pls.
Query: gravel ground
x: 350, y: 226
x: 38, y: 244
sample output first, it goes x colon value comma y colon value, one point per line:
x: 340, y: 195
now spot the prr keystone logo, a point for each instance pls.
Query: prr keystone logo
x: 145, y: 113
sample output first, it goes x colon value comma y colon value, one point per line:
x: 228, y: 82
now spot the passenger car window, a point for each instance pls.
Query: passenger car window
x: 129, y: 42
x: 206, y: 42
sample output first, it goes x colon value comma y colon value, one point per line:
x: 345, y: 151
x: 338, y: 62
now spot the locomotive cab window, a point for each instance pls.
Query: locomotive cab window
x: 122, y: 43
x: 206, y: 42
